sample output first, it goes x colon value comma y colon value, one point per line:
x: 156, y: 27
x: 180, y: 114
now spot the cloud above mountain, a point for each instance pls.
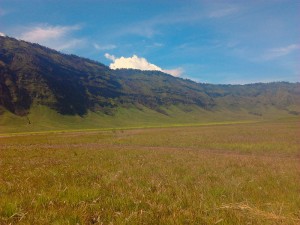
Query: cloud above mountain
x: 222, y: 12
x: 104, y: 47
x: 139, y: 63
x: 133, y: 62
x: 279, y: 52
x: 57, y: 37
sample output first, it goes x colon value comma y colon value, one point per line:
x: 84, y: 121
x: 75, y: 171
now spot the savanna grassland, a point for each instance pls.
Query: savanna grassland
x: 213, y: 174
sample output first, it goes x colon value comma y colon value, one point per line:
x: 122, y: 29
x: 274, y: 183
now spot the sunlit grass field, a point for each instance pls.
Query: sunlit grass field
x: 211, y: 174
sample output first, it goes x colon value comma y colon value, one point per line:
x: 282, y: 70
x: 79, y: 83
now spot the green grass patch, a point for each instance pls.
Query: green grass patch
x: 245, y: 173
x: 43, y: 119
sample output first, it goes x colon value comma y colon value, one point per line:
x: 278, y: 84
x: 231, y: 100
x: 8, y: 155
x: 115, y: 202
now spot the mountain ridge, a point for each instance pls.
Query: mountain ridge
x: 32, y: 75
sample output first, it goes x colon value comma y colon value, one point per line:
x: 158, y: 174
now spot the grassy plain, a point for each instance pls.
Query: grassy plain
x: 212, y: 174
x: 44, y: 119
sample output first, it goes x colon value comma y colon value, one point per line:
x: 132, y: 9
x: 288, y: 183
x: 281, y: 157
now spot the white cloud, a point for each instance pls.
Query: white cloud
x: 144, y: 29
x: 136, y: 62
x: 155, y: 45
x: 111, y: 57
x: 133, y: 62
x: 57, y: 37
x: 71, y: 44
x: 278, y: 52
x: 223, y: 12
x: 2, y: 34
x: 104, y: 47
x: 174, y: 72
x: 46, y: 32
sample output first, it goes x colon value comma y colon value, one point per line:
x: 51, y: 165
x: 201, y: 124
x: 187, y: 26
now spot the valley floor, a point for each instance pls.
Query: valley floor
x: 217, y: 174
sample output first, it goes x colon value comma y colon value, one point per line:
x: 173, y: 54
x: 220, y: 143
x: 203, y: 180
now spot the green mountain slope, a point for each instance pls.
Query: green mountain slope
x: 43, y: 89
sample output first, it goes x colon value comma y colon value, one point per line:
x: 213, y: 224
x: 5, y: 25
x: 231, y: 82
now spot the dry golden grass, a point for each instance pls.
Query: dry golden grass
x: 223, y: 174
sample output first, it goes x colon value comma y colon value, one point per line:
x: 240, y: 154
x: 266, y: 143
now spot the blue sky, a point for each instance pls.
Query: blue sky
x: 203, y: 40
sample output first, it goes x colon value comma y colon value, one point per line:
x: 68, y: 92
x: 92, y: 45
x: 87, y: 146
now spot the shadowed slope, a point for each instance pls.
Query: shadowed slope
x: 33, y: 76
